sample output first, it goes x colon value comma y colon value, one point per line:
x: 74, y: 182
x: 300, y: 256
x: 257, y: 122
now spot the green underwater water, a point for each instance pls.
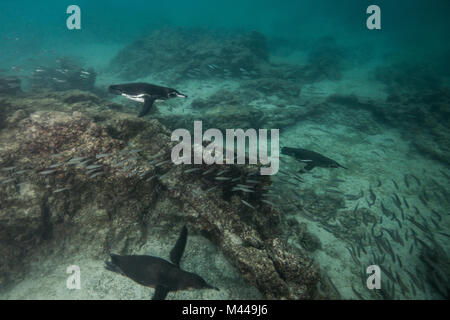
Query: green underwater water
x: 375, y: 101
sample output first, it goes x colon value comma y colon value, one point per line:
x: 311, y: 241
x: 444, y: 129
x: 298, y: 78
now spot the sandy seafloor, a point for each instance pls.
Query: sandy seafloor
x: 383, y: 156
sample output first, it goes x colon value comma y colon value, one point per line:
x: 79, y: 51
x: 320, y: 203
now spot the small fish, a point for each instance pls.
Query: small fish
x: 93, y: 170
x: 56, y: 155
x: 151, y: 178
x: 445, y: 174
x: 395, y: 184
x: 212, y: 188
x: 247, y: 204
x: 8, y: 181
x: 417, y: 179
x: 356, y: 207
x: 96, y: 174
x: 82, y: 164
x: 163, y: 162
x: 242, y: 189
x: 222, y: 172
x: 165, y: 174
x: 405, y: 202
x: 355, y: 197
x: 422, y: 199
x: 7, y: 169
x: 222, y: 178
x: 102, y: 155
x: 333, y: 191
x: 59, y: 80
x: 243, y: 186
x: 406, y: 180
x: 379, y: 183
x: 47, y: 172
x: 208, y: 171
x: 373, y: 197
x: 56, y: 165
x: 60, y: 190
x: 119, y: 164
x: 437, y: 214
x: 191, y: 170
x: 132, y: 151
x: 22, y: 171
x: 93, y: 166
x: 268, y: 202
x: 76, y: 160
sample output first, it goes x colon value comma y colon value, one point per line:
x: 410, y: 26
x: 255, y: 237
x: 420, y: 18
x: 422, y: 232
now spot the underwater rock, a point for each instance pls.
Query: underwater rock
x: 325, y: 61
x: 398, y: 77
x: 192, y: 54
x: 75, y: 181
x: 285, y: 89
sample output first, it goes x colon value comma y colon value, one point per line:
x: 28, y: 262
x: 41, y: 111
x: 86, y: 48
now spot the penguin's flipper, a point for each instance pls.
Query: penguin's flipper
x: 342, y: 166
x: 178, y: 249
x: 160, y: 293
x: 148, y: 103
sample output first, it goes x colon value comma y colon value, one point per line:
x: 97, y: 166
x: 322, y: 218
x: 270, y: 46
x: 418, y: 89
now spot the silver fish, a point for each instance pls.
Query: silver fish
x: 242, y: 189
x: 60, y: 190
x: 222, y: 172
x: 222, y: 178
x: 56, y: 165
x: 102, y: 155
x: 22, y: 171
x: 211, y: 189
x: 47, y: 172
x: 96, y: 175
x: 208, y: 171
x: 244, y: 186
x: 268, y: 202
x: 7, y: 169
x: 161, y: 163
x: 93, y: 166
x: 247, y: 204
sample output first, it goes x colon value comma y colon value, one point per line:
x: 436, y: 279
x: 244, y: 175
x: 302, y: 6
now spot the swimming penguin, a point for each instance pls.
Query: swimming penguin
x: 313, y: 159
x: 146, y: 93
x: 158, y: 273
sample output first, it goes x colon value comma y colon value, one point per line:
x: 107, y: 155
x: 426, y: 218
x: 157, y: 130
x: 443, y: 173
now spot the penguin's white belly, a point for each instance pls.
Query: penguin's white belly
x: 138, y: 98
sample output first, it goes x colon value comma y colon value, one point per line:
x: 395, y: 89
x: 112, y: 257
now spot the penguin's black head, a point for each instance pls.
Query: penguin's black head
x: 172, y: 93
x: 288, y: 151
x: 115, y: 89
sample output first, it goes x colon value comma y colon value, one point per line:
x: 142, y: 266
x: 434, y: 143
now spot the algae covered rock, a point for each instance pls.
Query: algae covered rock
x: 74, y: 182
